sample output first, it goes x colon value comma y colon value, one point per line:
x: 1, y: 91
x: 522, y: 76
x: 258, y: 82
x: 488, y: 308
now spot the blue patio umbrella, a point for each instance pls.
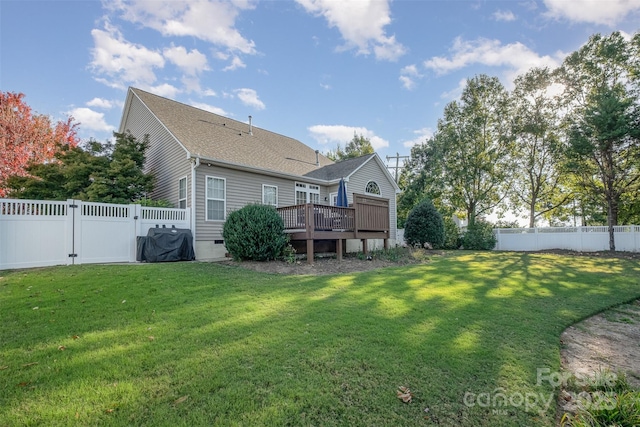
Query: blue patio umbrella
x: 342, y: 200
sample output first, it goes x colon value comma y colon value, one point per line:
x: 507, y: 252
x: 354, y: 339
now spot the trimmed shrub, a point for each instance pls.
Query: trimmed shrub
x: 479, y: 236
x: 424, y: 225
x: 452, y: 237
x: 255, y: 232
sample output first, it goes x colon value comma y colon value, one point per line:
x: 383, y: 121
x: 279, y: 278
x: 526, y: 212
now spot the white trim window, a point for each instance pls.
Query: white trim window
x: 182, y: 193
x: 333, y: 199
x: 307, y: 193
x: 216, y: 198
x: 270, y: 195
x: 372, y: 188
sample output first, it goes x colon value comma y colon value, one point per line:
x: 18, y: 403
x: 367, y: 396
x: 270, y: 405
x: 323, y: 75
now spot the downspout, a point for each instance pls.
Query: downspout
x: 195, y: 162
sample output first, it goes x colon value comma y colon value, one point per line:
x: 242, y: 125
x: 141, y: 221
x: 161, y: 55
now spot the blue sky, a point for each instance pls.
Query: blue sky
x: 314, y: 70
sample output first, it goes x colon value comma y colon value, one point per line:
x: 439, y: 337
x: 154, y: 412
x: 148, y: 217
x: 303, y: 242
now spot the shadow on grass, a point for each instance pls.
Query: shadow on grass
x: 252, y: 349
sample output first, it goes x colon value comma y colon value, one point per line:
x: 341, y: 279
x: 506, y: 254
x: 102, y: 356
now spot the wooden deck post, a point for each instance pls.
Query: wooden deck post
x: 311, y: 226
x: 364, y: 246
x: 310, y: 251
x: 339, y: 249
x: 386, y: 244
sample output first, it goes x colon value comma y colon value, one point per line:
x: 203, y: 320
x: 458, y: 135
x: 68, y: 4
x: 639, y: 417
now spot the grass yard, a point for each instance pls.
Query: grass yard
x: 205, y: 344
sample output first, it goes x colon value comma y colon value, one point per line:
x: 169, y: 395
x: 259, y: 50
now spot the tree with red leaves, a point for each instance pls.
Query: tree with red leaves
x: 27, y: 138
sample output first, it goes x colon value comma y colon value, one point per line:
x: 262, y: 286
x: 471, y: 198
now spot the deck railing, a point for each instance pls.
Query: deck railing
x: 372, y: 213
x: 318, y: 217
x: 366, y: 214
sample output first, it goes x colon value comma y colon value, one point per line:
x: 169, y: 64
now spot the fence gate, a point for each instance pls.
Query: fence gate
x: 36, y: 233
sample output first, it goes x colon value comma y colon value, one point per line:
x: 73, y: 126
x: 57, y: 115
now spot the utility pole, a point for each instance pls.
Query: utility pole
x: 397, y: 166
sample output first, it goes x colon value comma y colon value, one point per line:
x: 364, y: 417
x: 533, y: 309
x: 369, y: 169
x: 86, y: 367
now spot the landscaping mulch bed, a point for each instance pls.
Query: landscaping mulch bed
x: 348, y: 264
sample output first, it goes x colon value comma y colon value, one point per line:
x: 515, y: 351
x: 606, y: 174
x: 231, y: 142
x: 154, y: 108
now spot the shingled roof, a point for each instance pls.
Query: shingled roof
x: 340, y: 169
x: 217, y: 138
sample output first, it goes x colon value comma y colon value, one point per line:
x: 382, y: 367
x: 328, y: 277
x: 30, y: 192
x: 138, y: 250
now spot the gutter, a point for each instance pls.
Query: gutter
x: 195, y: 162
x: 267, y: 172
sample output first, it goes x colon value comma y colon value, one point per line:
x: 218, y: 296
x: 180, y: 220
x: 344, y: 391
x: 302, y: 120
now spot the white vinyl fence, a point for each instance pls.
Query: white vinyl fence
x: 583, y: 239
x: 37, y: 233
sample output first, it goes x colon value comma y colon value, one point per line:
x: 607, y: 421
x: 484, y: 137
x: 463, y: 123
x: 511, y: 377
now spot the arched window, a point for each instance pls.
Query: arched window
x: 372, y: 188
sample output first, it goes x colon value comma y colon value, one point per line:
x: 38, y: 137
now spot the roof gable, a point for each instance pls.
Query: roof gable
x: 218, y: 138
x: 346, y: 168
x: 340, y: 169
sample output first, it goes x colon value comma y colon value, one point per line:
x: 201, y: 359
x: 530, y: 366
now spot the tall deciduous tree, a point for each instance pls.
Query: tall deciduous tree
x: 98, y: 173
x: 475, y: 146
x: 602, y: 89
x: 538, y: 183
x: 420, y: 179
x: 27, y: 138
x: 358, y: 146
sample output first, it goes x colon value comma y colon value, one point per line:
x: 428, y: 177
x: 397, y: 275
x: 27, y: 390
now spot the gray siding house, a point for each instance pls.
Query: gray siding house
x: 214, y: 165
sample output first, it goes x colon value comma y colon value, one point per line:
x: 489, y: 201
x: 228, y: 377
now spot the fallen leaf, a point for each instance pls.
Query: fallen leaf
x: 23, y: 384
x: 75, y: 337
x: 180, y: 400
x: 2, y: 368
x: 124, y: 300
x: 404, y: 394
x: 109, y: 411
x: 405, y: 397
x: 62, y: 348
x: 151, y: 338
x: 35, y: 308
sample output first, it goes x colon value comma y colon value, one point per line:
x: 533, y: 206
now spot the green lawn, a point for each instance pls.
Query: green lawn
x: 205, y: 344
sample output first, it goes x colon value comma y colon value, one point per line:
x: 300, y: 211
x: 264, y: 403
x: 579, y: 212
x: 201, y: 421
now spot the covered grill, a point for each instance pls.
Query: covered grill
x: 165, y: 244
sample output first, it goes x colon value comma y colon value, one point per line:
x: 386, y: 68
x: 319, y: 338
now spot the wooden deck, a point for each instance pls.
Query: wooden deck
x: 366, y: 218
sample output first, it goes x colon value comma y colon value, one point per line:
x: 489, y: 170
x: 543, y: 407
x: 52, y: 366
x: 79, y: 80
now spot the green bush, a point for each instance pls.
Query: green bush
x: 603, y: 402
x: 452, y: 238
x: 161, y: 203
x: 479, y: 236
x: 424, y: 225
x: 255, y: 232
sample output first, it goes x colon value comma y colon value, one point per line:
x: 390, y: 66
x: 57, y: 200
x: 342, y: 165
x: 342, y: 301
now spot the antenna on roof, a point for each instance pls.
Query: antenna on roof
x: 317, y: 157
x: 250, y: 127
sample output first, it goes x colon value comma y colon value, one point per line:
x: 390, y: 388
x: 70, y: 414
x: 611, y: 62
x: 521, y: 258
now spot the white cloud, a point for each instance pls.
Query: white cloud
x: 212, y: 21
x: 421, y: 136
x: 504, y: 15
x: 192, y: 63
x: 100, y: 103
x: 236, y: 63
x: 90, y: 119
x: 191, y: 83
x: 340, y: 134
x: 410, y: 70
x: 209, y: 108
x: 408, y: 76
x: 123, y: 63
x: 407, y: 82
x: 607, y: 12
x: 209, y: 92
x: 325, y: 86
x: 165, y: 89
x: 250, y: 98
x: 515, y: 57
x: 362, y: 25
